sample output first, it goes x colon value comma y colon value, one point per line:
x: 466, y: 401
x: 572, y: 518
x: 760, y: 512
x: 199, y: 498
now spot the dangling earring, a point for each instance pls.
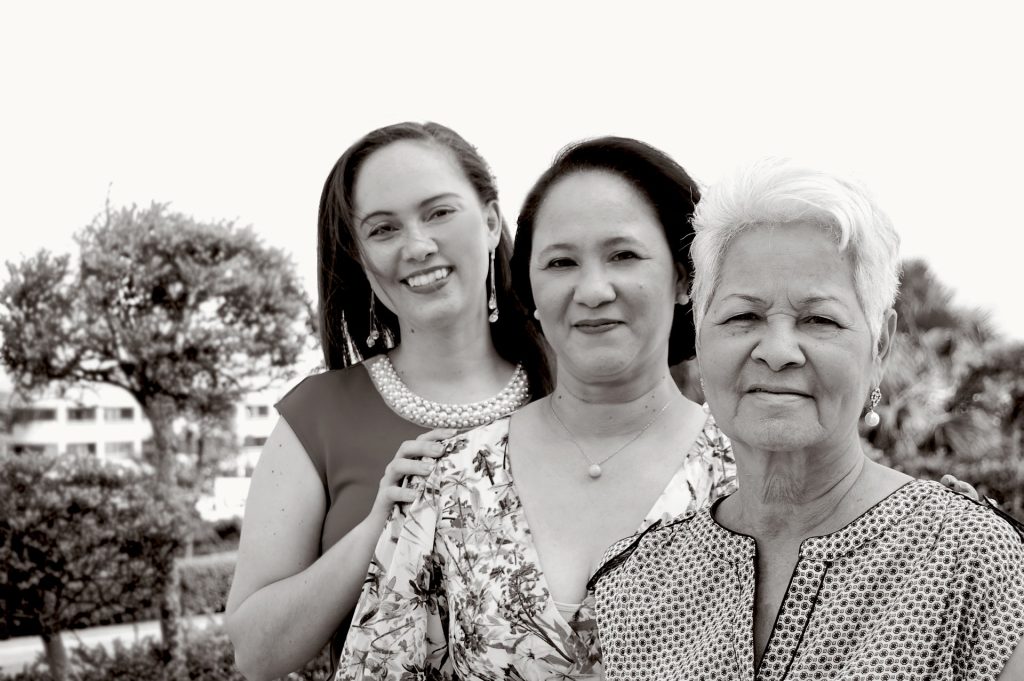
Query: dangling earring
x: 371, y: 340
x: 872, y: 418
x: 492, y: 302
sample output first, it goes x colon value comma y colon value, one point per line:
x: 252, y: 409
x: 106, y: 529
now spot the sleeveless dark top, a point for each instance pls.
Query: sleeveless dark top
x: 350, y: 435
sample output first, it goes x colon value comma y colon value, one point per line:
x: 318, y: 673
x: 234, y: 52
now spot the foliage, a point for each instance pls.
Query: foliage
x: 205, y: 583
x: 219, y: 536
x: 186, y: 316
x: 208, y: 656
x: 80, y: 540
x: 953, y: 395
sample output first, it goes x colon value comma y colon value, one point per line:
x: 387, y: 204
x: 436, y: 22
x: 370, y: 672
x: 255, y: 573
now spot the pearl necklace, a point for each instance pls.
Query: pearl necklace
x: 595, y: 470
x: 430, y: 414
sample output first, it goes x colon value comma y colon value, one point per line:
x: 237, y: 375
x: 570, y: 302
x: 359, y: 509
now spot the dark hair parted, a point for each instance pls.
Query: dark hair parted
x: 343, y: 286
x: 668, y: 188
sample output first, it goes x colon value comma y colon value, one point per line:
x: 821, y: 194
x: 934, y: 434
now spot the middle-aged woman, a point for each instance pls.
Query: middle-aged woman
x: 485, y: 575
x: 823, y: 564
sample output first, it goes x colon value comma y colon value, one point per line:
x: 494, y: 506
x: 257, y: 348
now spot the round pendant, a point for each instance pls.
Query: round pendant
x: 872, y: 419
x: 594, y: 471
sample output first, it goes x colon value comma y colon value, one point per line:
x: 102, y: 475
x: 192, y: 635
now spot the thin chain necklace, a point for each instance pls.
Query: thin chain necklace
x: 595, y: 470
x: 430, y: 414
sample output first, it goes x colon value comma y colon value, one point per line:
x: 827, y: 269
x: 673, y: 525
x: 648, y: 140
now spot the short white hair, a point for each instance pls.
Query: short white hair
x: 778, y: 191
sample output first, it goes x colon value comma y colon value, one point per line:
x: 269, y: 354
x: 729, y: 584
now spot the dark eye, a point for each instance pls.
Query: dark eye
x: 559, y: 263
x: 440, y: 212
x: 625, y: 255
x: 742, y: 317
x: 819, y: 320
x: 381, y: 229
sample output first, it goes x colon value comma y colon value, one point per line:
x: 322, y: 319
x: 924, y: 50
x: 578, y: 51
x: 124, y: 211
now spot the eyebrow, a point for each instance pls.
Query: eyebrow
x: 422, y: 204
x: 809, y: 300
x: 613, y: 242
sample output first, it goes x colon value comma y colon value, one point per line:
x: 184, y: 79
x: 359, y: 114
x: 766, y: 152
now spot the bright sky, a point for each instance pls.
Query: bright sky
x: 239, y: 110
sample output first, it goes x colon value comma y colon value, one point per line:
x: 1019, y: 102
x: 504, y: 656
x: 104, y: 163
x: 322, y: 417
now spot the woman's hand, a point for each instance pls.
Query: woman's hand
x: 960, y: 487
x: 414, y: 458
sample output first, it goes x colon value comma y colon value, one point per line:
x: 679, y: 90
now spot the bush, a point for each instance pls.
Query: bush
x: 205, y: 583
x: 81, y: 542
x: 219, y: 536
x: 208, y: 656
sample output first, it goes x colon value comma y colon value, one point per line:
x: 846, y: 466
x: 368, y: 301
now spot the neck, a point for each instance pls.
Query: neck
x: 434, y: 362
x: 794, y: 494
x: 596, y: 414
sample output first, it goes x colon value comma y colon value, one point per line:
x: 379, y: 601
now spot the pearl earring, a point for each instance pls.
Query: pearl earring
x: 871, y: 419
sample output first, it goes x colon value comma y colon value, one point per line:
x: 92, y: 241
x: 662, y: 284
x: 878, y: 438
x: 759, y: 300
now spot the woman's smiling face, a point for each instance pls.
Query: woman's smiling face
x: 603, y: 278
x: 785, y: 351
x: 424, y: 236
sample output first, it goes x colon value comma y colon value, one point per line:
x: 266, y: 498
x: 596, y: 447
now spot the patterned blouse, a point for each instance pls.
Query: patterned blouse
x: 455, y: 589
x: 924, y: 585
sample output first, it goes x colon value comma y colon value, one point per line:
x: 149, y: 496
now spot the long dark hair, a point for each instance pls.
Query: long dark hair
x: 345, y: 290
x: 671, y: 192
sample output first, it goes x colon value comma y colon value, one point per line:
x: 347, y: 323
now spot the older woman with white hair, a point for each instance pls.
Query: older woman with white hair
x: 824, y: 564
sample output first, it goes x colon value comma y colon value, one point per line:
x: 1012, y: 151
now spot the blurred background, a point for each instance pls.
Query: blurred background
x: 149, y: 149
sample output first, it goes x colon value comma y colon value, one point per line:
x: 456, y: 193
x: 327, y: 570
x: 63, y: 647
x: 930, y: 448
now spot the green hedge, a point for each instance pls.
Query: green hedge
x: 208, y: 656
x: 205, y: 582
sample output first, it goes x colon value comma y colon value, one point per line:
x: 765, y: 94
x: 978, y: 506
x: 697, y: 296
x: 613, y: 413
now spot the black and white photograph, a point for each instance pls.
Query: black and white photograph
x: 570, y: 341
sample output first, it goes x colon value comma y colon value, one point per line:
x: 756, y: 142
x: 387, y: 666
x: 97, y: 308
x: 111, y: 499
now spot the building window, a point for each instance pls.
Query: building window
x: 256, y: 411
x: 82, y: 448
x: 118, y: 414
x: 27, y: 414
x: 253, y: 441
x: 82, y: 414
x: 25, y: 448
x: 119, y: 448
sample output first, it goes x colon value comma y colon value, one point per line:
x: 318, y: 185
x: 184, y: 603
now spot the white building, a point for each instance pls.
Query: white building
x: 107, y: 422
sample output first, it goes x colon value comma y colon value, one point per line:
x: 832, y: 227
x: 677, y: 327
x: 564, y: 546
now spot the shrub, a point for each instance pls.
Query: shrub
x: 208, y: 656
x: 205, y: 583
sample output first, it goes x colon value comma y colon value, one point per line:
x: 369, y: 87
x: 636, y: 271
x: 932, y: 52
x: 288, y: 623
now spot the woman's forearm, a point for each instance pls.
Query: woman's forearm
x: 283, y: 625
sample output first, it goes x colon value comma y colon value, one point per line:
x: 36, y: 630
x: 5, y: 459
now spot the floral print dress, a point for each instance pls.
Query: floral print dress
x: 455, y: 590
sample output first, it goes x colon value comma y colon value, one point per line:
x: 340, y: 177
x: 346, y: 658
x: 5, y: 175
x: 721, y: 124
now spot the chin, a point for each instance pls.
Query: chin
x: 782, y: 435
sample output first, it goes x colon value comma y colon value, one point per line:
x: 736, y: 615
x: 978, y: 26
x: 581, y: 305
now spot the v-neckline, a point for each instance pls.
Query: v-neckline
x: 530, y: 551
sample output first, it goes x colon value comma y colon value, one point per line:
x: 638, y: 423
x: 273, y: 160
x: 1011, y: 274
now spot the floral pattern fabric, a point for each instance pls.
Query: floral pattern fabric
x: 455, y: 589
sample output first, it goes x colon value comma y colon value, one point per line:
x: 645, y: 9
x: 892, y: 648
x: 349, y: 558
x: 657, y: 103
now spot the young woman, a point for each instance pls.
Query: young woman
x: 422, y: 338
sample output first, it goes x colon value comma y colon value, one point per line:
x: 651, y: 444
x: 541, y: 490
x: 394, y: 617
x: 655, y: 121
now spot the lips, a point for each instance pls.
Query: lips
x: 777, y: 390
x: 596, y: 325
x: 427, y: 277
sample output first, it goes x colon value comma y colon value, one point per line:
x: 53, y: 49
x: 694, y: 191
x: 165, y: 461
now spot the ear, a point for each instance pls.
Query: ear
x: 492, y: 215
x: 886, y: 338
x: 682, y: 284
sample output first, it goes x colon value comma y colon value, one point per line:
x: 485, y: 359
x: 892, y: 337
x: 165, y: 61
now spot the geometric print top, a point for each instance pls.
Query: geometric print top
x: 927, y: 584
x: 455, y: 589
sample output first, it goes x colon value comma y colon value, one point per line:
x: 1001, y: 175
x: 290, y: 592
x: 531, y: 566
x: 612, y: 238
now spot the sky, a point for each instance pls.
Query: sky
x: 237, y: 111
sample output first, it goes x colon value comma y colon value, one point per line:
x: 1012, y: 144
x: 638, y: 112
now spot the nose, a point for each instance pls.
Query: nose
x: 593, y: 288
x: 779, y: 346
x: 417, y: 245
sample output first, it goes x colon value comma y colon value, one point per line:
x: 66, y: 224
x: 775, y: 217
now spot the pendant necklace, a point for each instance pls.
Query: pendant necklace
x: 594, y: 470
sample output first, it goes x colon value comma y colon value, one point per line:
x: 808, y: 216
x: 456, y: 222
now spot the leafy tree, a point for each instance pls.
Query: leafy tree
x: 79, y: 538
x: 185, y: 316
x: 954, y: 394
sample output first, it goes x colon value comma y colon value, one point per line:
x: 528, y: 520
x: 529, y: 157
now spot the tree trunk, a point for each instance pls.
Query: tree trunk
x: 170, y: 627
x: 56, y: 655
x: 161, y: 412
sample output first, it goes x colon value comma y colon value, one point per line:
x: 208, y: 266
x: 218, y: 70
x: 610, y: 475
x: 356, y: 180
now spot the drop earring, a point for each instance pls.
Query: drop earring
x: 371, y: 339
x: 492, y: 301
x: 871, y: 419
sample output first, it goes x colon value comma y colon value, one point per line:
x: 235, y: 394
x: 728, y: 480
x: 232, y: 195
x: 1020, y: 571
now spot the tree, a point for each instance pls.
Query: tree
x: 954, y: 394
x: 185, y: 316
x: 80, y: 540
